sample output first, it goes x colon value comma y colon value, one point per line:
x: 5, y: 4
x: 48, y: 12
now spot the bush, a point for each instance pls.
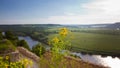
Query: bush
x: 6, y: 46
x: 23, y: 43
x: 1, y: 36
x: 9, y: 35
x: 38, y: 50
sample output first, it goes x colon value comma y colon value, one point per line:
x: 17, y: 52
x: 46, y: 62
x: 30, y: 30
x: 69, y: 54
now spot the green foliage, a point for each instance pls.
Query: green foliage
x: 58, y: 44
x: 94, y: 43
x: 97, y: 31
x: 36, y: 32
x: 40, y: 36
x: 9, y: 35
x: 1, y: 36
x: 6, y: 45
x: 22, y: 63
x: 38, y: 50
x: 23, y: 43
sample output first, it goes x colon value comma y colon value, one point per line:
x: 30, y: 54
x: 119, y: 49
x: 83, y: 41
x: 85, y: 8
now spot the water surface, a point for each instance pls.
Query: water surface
x: 29, y: 40
x: 97, y: 59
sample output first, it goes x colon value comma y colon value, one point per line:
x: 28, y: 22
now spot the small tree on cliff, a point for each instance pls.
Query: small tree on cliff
x: 38, y: 50
x: 23, y: 43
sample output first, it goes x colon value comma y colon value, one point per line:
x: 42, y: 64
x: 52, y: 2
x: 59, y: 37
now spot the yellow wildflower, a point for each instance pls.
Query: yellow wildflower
x: 63, y: 31
x: 30, y: 62
x: 55, y: 40
x: 6, y: 66
x: 1, y: 58
x: 7, y: 57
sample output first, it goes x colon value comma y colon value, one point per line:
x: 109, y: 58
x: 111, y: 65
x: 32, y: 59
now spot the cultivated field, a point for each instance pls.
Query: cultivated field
x: 96, y: 43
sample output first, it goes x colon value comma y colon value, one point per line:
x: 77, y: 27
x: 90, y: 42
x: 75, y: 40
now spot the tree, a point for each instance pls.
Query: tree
x: 23, y: 43
x: 1, y: 35
x: 38, y: 49
x: 6, y: 46
x: 9, y: 35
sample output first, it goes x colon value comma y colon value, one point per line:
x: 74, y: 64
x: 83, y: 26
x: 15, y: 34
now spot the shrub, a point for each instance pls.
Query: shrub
x: 38, y: 49
x: 23, y: 43
x: 6, y: 46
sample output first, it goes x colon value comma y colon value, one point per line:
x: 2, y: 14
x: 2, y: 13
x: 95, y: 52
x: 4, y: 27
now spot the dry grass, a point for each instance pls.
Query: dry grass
x: 67, y: 62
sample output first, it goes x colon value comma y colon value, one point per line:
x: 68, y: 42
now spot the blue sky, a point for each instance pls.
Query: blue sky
x: 58, y: 11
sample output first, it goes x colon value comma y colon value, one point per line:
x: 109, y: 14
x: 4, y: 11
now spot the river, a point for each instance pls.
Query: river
x: 95, y: 59
x: 29, y: 40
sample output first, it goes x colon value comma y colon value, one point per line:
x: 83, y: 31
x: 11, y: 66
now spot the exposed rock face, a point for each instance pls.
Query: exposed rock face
x: 28, y: 54
x: 15, y: 56
x: 21, y: 53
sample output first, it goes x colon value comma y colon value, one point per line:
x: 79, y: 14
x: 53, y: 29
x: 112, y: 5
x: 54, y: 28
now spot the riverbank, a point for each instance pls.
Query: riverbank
x: 73, y: 62
x: 94, y: 59
x: 70, y: 62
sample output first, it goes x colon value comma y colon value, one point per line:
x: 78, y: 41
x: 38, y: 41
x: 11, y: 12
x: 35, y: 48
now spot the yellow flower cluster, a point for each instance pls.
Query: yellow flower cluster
x: 63, y: 31
x: 26, y: 62
x: 1, y: 58
x: 55, y: 40
x: 7, y: 57
x: 5, y: 63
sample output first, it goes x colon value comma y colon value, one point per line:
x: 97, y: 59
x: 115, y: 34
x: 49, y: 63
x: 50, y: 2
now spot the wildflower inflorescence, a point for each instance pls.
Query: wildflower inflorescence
x: 6, y: 63
x: 63, y: 31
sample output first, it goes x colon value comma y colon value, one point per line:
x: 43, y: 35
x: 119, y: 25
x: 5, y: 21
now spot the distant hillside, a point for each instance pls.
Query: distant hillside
x: 22, y: 26
x: 107, y: 26
x: 114, y: 26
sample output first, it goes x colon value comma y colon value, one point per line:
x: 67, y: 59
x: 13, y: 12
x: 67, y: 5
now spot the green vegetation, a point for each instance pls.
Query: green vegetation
x: 9, y: 42
x: 1, y: 36
x: 89, y: 41
x: 94, y: 41
x: 97, y: 42
x: 38, y: 50
x: 97, y: 31
x: 10, y: 36
x: 56, y: 59
x: 6, y: 46
x: 6, y: 63
x: 36, y: 32
x: 23, y: 43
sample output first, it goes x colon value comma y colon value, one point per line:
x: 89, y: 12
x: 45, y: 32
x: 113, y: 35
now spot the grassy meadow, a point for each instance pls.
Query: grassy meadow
x: 95, y: 43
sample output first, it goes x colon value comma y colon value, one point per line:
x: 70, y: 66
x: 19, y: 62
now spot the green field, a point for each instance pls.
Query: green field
x: 95, y: 43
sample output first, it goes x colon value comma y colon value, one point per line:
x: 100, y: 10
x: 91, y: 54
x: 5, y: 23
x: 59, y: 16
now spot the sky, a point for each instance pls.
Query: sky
x: 59, y: 11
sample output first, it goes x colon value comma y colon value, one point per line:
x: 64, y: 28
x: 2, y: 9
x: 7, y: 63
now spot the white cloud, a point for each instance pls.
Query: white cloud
x: 103, y: 6
x: 97, y: 11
